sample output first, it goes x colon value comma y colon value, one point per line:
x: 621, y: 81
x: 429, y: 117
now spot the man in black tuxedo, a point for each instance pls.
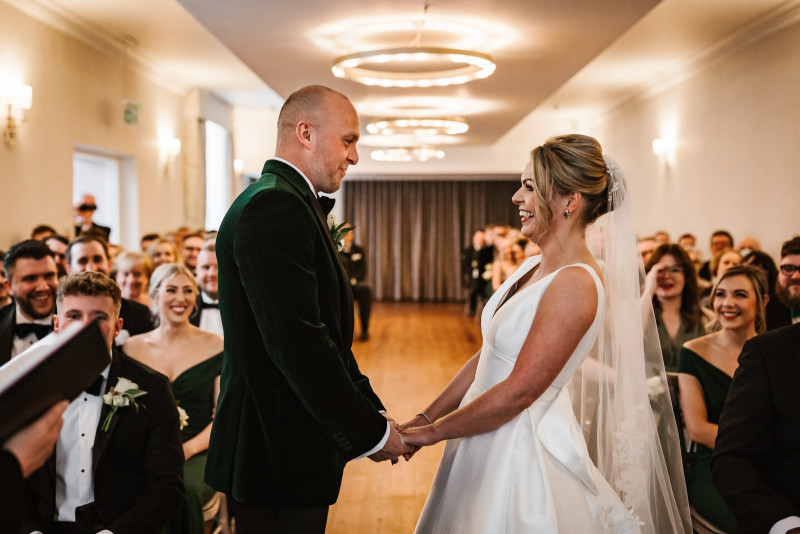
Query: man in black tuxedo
x: 783, y: 307
x: 32, y: 281
x: 720, y: 240
x: 125, y: 478
x: 206, y: 315
x: 293, y: 406
x: 474, y: 263
x: 89, y: 253
x: 5, y: 296
x: 85, y: 207
x: 756, y: 462
x: 355, y: 265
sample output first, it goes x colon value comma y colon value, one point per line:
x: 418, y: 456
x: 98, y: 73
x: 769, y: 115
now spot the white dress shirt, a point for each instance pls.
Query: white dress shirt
x: 383, y: 441
x: 210, y: 319
x: 785, y: 525
x: 22, y: 344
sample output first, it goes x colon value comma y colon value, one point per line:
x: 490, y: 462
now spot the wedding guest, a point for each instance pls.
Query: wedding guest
x: 747, y: 245
x: 132, y: 272
x: 117, y: 470
x: 162, y: 251
x: 687, y: 241
x: 21, y: 454
x: 5, y: 296
x: 58, y: 247
x: 42, y: 232
x: 207, y: 317
x: 761, y: 259
x: 756, y: 462
x: 476, y: 257
x: 113, y: 252
x: 662, y: 237
x: 354, y: 262
x: 147, y: 240
x: 511, y: 257
x: 192, y: 360
x: 720, y: 240
x: 671, y: 285
x: 706, y: 367
x: 291, y: 384
x: 723, y: 260
x: 85, y: 207
x: 32, y: 281
x: 190, y: 248
x: 646, y: 247
x: 88, y: 253
x: 783, y: 308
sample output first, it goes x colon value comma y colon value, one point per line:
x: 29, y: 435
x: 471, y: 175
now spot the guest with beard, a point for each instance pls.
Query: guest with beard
x: 33, y: 282
x: 206, y: 315
x: 88, y: 253
x: 783, y: 308
x: 58, y: 247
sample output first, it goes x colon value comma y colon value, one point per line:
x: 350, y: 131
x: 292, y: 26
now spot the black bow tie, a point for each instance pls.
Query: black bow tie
x: 25, y: 329
x: 326, y: 203
x: 210, y: 305
x: 94, y: 389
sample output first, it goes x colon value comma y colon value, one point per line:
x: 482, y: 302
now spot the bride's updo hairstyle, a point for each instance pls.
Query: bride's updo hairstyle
x: 568, y: 163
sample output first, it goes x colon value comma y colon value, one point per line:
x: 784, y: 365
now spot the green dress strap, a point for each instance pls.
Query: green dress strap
x: 194, y: 391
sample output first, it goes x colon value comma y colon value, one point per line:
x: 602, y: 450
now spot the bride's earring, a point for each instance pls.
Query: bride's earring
x: 566, y: 214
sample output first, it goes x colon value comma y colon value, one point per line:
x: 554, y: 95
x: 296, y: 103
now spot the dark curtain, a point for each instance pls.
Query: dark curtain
x: 414, y: 231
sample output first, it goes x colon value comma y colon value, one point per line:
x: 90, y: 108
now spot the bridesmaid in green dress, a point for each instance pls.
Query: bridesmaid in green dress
x: 191, y: 359
x: 706, y: 366
x: 671, y: 283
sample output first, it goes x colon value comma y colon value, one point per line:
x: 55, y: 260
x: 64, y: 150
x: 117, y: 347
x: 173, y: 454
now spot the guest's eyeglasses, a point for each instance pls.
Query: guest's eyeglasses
x: 673, y: 271
x: 787, y: 269
x: 87, y: 207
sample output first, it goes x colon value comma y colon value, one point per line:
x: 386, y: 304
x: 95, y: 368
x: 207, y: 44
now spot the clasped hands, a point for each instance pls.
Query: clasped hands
x: 405, y: 440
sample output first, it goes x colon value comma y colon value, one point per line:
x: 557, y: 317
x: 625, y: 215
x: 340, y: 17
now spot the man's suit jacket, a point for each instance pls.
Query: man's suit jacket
x: 756, y: 462
x: 8, y: 321
x: 12, y: 492
x: 777, y: 314
x: 136, y: 317
x: 137, y: 464
x: 96, y: 229
x: 293, y: 406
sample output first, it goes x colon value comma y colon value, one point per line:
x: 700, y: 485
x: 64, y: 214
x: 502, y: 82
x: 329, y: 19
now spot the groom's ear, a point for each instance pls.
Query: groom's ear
x: 303, y: 133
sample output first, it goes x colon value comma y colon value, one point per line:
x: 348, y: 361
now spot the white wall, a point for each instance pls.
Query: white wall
x: 77, y: 100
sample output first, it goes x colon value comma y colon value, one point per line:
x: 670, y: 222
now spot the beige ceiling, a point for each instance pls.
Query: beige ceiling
x: 582, y: 54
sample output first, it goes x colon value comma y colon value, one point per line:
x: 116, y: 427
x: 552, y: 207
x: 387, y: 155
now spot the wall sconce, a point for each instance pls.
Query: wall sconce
x: 238, y: 166
x: 665, y: 150
x: 14, y: 97
x: 171, y: 146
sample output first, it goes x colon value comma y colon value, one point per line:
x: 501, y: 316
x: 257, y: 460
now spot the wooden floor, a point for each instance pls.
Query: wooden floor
x: 414, y: 351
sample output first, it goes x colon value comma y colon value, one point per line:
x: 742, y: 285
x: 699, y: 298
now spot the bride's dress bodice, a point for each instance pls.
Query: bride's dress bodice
x: 532, y: 474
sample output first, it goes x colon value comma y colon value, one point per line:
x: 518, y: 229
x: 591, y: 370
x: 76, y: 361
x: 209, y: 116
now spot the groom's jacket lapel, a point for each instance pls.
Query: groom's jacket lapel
x: 301, y: 187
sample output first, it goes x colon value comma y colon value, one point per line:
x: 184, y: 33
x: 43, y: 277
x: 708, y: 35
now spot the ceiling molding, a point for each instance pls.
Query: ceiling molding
x: 62, y: 20
x: 759, y: 28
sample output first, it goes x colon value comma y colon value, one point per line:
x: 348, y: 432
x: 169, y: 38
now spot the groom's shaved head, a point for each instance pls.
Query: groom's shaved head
x: 306, y: 104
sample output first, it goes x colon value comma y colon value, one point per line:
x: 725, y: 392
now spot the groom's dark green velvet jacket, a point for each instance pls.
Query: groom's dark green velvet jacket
x: 293, y: 406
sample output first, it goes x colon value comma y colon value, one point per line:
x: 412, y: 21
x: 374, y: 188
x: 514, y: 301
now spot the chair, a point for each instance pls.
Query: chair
x: 700, y: 524
x: 215, y: 515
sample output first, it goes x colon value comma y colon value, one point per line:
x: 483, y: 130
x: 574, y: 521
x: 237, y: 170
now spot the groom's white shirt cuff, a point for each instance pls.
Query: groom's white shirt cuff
x: 785, y: 525
x: 380, y: 444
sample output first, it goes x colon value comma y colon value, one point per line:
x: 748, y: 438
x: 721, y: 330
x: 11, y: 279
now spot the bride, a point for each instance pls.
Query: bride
x: 564, y: 330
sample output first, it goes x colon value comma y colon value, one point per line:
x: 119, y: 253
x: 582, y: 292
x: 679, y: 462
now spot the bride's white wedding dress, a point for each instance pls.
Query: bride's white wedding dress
x: 533, y: 474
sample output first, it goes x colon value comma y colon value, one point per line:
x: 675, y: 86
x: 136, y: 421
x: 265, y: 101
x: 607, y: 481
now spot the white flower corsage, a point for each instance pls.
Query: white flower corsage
x: 184, y: 417
x: 338, y: 231
x: 123, y: 394
x: 655, y: 387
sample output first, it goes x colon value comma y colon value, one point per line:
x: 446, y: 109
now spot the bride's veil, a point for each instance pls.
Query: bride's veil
x: 620, y: 393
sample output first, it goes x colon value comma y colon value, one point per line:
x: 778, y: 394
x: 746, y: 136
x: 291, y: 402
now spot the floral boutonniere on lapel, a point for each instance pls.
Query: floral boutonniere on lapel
x: 338, y: 231
x: 123, y: 394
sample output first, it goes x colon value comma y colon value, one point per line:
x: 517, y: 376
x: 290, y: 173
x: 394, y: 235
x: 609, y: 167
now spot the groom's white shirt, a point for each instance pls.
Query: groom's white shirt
x: 383, y: 441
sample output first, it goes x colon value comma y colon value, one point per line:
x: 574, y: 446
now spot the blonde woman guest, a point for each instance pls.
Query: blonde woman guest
x: 706, y: 366
x: 132, y: 272
x: 162, y: 251
x: 192, y: 360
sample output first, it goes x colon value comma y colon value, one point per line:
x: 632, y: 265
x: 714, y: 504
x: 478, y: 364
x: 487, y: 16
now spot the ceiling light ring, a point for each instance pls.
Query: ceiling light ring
x: 437, y: 125
x: 467, y: 66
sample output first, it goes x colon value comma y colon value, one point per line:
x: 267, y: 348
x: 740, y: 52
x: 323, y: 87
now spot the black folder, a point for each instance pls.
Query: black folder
x: 63, y: 368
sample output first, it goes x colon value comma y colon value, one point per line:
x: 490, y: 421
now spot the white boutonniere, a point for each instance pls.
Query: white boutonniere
x: 655, y: 387
x: 123, y: 394
x: 338, y: 231
x: 184, y: 417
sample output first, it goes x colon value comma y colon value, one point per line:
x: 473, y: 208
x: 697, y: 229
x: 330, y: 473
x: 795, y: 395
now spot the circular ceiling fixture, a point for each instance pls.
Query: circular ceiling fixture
x: 419, y: 126
x: 414, y: 66
x: 419, y: 153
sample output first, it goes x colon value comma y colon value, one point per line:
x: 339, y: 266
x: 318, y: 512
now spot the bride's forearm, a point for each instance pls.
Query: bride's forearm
x: 451, y: 396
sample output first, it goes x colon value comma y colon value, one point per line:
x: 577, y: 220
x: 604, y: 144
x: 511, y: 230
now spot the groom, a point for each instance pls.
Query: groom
x: 293, y: 406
